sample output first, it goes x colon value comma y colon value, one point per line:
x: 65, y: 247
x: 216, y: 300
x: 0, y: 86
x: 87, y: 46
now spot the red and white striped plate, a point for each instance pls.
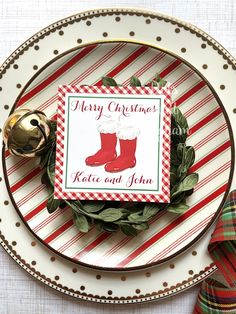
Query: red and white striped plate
x: 169, y: 234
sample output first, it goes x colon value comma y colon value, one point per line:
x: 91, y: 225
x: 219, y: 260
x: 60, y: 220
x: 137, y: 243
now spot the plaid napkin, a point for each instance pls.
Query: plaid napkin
x: 216, y: 297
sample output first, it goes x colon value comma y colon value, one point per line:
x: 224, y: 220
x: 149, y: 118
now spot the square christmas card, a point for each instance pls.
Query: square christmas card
x: 113, y: 143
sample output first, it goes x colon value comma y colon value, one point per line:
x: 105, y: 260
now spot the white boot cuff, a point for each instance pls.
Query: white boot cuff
x: 128, y: 133
x: 108, y: 127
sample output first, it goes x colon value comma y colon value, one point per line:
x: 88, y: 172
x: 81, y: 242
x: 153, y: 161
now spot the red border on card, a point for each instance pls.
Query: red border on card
x: 164, y: 196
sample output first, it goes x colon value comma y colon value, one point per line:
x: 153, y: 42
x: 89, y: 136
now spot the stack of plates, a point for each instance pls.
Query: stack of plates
x: 172, y: 255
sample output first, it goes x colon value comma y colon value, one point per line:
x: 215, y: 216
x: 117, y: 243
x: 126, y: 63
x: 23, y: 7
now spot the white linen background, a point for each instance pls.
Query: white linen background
x: 20, y: 19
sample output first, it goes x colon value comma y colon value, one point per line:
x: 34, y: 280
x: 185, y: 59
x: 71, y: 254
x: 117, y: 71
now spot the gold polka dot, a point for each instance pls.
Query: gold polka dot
x: 203, y: 46
x: 52, y: 259
x: 148, y: 21
x: 33, y: 243
x: 183, y: 50
x: 14, y: 243
x: 177, y: 30
x: 172, y: 266
x: 131, y: 33
x: 79, y: 41
x: 61, y: 33
x: 148, y: 274
x: 225, y: 66
x: 158, y: 38
x: 117, y: 19
x: 109, y: 292
x: 17, y: 224
x: 123, y: 278
x: 234, y: 110
x: 105, y: 34
x: 191, y: 272
x: 18, y: 85
x: 74, y: 270
x: 33, y: 263
x: 57, y: 277
x: 205, y: 66
x: 6, y: 202
x: 194, y: 253
x: 165, y: 284
x: 88, y: 23
x: 137, y: 291
x: 35, y: 67
x: 15, y: 66
x: 55, y: 52
x: 222, y: 87
x: 98, y: 277
x: 82, y: 288
x: 36, y: 47
x: 6, y: 107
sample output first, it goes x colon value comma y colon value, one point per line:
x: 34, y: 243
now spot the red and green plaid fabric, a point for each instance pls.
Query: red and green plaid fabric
x: 214, y: 296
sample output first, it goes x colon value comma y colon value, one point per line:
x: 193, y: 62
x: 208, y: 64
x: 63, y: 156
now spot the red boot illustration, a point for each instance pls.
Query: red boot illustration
x: 108, y: 145
x: 126, y: 159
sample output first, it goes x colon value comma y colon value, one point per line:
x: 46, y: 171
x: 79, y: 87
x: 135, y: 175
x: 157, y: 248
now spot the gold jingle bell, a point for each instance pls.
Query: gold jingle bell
x: 26, y: 133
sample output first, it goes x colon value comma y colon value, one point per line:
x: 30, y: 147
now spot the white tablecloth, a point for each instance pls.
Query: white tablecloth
x: 19, y: 19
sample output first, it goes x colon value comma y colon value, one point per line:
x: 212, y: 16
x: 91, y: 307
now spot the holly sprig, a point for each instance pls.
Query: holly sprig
x: 129, y: 217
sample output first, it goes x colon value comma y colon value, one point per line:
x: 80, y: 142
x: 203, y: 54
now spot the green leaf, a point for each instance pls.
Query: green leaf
x: 51, y: 166
x: 99, y: 224
x: 141, y: 226
x: 150, y: 210
x: 189, y: 157
x: 128, y: 230
x: 174, y: 158
x: 110, y: 227
x: 178, y: 198
x: 45, y: 180
x: 178, y: 209
x: 189, y: 182
x: 181, y: 150
x: 158, y: 78
x: 45, y: 158
x: 93, y: 206
x: 180, y: 119
x: 52, y: 204
x: 108, y: 81
x: 137, y: 217
x: 162, y: 83
x: 134, y: 81
x: 110, y: 214
x: 173, y: 178
x: 53, y: 125
x: 81, y: 222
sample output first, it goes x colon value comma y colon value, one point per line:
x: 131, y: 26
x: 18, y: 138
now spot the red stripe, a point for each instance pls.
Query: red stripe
x: 181, y: 239
x: 26, y: 179
x: 123, y: 64
x: 206, y: 120
x: 212, y: 155
x: 173, y: 225
x: 92, y: 245
x: 170, y: 68
x: 55, y: 75
x: 189, y: 93
x: 58, y: 232
x: 35, y: 211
